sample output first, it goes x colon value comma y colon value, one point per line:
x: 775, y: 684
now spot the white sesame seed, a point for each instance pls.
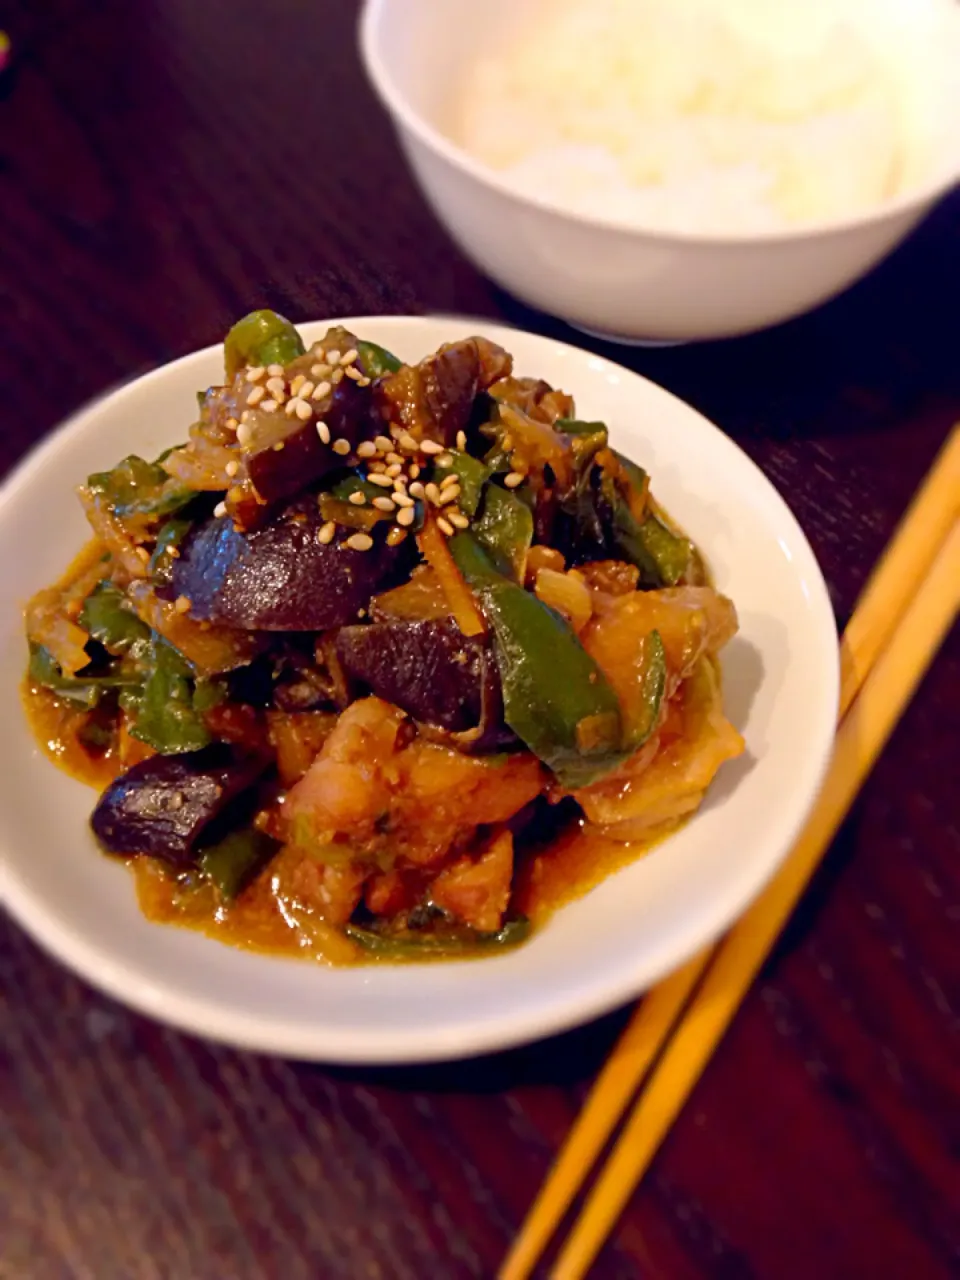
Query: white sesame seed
x: 450, y: 495
x: 461, y: 441
x: 348, y: 357
x: 432, y: 494
x: 363, y: 382
x: 406, y: 516
x: 353, y: 373
x: 458, y: 520
x: 325, y: 533
x: 416, y: 490
x: 297, y: 383
x: 323, y: 431
x: 513, y: 479
x: 449, y: 480
x: 341, y: 446
x: 255, y: 373
x: 407, y: 442
x: 414, y: 471
x: 384, y: 444
x: 269, y: 406
x: 394, y: 469
x: 307, y: 389
x: 232, y: 468
x: 277, y: 387
x: 304, y: 410
x: 401, y: 499
x: 321, y: 390
x: 360, y: 541
x: 275, y: 370
x: 395, y: 537
x: 244, y: 434
x: 431, y: 446
x: 378, y: 468
x: 332, y: 357
x: 444, y: 526
x: 393, y: 458
x: 382, y: 481
x: 220, y: 510
x: 383, y: 504
x: 255, y: 396
x: 366, y: 449
x: 291, y: 407
x: 358, y: 498
x: 336, y: 377
x: 182, y: 604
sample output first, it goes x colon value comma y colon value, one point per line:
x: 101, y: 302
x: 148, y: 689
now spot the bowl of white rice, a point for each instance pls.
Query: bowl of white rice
x: 673, y: 170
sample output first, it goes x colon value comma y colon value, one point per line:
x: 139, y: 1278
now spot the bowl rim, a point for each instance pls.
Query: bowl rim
x: 559, y: 1009
x: 915, y: 201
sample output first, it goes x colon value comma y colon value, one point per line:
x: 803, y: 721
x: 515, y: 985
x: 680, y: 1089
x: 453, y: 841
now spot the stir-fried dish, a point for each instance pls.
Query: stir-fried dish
x: 386, y: 660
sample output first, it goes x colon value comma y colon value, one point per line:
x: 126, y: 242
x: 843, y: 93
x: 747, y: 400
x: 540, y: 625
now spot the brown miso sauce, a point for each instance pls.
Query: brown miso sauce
x: 265, y: 918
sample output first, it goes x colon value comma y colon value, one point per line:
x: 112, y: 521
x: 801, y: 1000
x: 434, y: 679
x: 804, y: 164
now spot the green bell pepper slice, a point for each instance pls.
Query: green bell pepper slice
x: 231, y: 864
x: 107, y: 618
x: 556, y: 699
x: 163, y: 712
x: 376, y: 361
x: 412, y: 945
x: 505, y: 530
x: 471, y: 475
x: 85, y: 690
x: 136, y: 487
x: 261, y: 338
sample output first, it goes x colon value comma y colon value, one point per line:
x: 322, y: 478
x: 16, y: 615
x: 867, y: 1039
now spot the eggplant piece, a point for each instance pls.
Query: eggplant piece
x: 279, y: 577
x: 165, y: 805
x: 435, y: 398
x: 429, y: 669
x: 283, y: 463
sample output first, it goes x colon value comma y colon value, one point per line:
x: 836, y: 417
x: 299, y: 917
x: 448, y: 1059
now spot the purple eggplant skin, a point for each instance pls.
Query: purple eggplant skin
x: 436, y: 397
x: 350, y: 415
x: 427, y: 668
x: 279, y: 577
x: 164, y: 805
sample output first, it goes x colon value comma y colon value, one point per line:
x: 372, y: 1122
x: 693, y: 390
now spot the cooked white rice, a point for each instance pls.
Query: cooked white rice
x: 700, y: 115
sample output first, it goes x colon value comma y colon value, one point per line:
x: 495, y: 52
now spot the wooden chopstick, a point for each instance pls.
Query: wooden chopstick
x: 905, y: 562
x: 922, y: 531
x: 862, y: 736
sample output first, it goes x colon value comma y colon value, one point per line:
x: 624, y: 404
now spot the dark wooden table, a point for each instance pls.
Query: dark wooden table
x: 167, y: 165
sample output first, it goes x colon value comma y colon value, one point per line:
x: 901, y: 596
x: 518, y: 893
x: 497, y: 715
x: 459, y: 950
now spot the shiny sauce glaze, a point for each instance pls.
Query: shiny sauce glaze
x: 268, y: 916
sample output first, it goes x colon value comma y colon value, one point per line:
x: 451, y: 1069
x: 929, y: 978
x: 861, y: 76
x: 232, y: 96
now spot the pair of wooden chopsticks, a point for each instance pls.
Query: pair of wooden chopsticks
x: 901, y: 619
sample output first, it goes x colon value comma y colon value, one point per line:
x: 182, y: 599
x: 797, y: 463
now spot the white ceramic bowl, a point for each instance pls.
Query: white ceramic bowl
x: 597, y: 273
x: 780, y: 687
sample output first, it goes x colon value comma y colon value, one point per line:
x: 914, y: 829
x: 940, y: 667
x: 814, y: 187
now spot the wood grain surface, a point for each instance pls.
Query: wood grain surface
x: 164, y: 166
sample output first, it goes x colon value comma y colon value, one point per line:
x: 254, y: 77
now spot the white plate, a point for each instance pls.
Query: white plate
x: 781, y: 691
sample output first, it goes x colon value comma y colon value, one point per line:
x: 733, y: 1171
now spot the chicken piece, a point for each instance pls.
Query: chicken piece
x: 477, y: 890
x: 666, y: 780
x: 406, y: 806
